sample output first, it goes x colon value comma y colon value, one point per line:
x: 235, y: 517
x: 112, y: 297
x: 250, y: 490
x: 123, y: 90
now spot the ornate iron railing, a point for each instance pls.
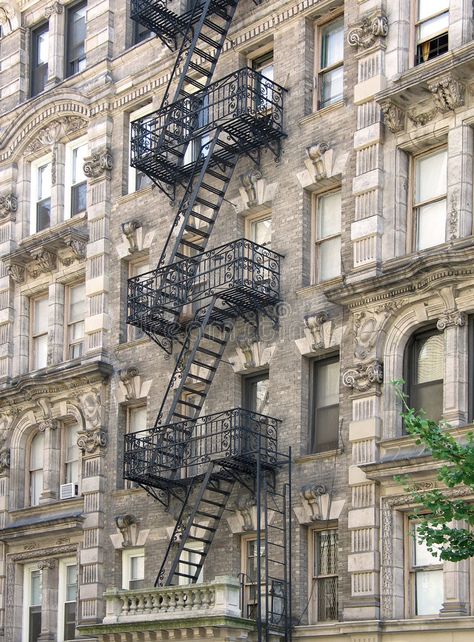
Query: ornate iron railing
x: 240, y: 273
x: 236, y: 438
x: 243, y: 103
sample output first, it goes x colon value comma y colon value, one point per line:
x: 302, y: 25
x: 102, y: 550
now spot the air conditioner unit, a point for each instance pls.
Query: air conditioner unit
x: 66, y: 491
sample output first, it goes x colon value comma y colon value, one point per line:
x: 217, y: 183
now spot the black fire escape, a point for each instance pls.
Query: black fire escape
x: 191, y: 145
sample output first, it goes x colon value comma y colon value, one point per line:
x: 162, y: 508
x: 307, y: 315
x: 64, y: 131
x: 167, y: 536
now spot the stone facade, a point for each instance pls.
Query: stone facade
x: 362, y: 144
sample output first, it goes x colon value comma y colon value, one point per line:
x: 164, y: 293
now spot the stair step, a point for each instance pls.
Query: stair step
x: 189, y: 405
x: 211, y: 188
x: 180, y: 416
x: 206, y: 528
x: 201, y: 217
x: 210, y: 353
x: 212, y: 502
x: 186, y: 563
x: 200, y: 69
x: 221, y: 177
x: 212, y: 25
x: 203, y: 379
x: 209, y: 41
x: 195, y: 83
x: 202, y: 201
x: 197, y: 231
x: 180, y: 255
x: 192, y: 550
x: 193, y: 246
x: 215, y: 339
x: 199, y: 539
x: 204, y: 514
x: 201, y: 364
x: 184, y: 574
x: 205, y: 55
x: 201, y: 393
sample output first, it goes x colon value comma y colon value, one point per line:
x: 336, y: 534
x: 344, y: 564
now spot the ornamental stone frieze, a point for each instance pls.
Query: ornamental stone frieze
x: 448, y: 93
x: 363, y: 377
x: 98, y: 164
x: 451, y: 319
x: 51, y: 134
x: 370, y: 31
x: 394, y: 116
x: 8, y: 207
x: 46, y: 564
x: 16, y: 272
x: 43, y: 262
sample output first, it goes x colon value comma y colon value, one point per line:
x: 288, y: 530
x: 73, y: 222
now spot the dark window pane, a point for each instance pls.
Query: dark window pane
x: 324, y: 413
x: 69, y: 621
x: 325, y: 435
x: 140, y: 33
x: 39, y: 59
x: 78, y: 198
x: 429, y: 397
x: 35, y: 623
x: 141, y: 181
x: 43, y: 214
x: 76, y: 37
x: 256, y: 394
x: 432, y: 48
x: 327, y: 599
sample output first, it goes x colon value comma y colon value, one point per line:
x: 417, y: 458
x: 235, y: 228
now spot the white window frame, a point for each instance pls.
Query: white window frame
x: 133, y: 116
x: 127, y: 556
x: 317, y: 241
x: 417, y: 23
x: 67, y: 461
x: 68, y: 184
x: 313, y: 577
x: 135, y: 268
x: 251, y: 220
x: 62, y: 578
x: 27, y: 571
x: 412, y: 571
x: 32, y: 336
x: 245, y: 540
x: 319, y: 71
x: 69, y: 324
x: 34, y: 166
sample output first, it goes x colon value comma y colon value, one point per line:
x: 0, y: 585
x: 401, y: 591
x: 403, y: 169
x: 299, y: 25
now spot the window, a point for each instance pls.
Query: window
x: 133, y: 569
x: 324, y: 575
x: 256, y: 393
x: 40, y: 195
x: 327, y: 252
x: 330, y: 65
x: 39, y: 59
x: 76, y: 38
x: 198, y: 146
x: 264, y: 65
x: 324, y: 414
x: 67, y: 598
x: 39, y: 333
x: 250, y: 574
x: 426, y: 578
x: 138, y: 180
x: 425, y: 372
x: 430, y: 203
x: 76, y: 182
x: 136, y: 422
x: 136, y: 268
x: 33, y: 597
x: 36, y: 468
x: 432, y: 22
x: 71, y: 454
x: 76, y: 301
x: 260, y: 230
x: 140, y: 32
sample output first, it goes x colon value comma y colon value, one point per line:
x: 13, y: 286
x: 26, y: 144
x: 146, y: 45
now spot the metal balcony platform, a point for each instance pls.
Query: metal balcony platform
x: 242, y: 276
x: 245, y: 107
x: 178, y: 454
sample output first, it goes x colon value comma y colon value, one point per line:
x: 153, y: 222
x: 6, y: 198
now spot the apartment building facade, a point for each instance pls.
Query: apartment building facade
x: 352, y: 187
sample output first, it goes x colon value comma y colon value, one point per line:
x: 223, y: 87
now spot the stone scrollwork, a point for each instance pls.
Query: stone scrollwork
x: 363, y: 376
x: 314, y: 323
x: 54, y: 7
x: 8, y: 206
x: 48, y: 424
x: 394, y: 116
x: 127, y: 377
x: 311, y: 494
x: 46, y: 564
x: 44, y: 262
x: 371, y: 29
x: 16, y: 272
x: 316, y: 153
x: 52, y: 133
x: 129, y: 230
x: 9, y: 20
x: 125, y: 523
x: 423, y: 118
x: 91, y: 440
x: 450, y: 319
x: 98, y: 163
x: 448, y: 93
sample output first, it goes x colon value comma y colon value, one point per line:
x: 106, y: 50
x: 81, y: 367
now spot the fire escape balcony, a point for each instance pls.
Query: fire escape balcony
x: 245, y: 107
x: 175, y: 455
x: 242, y: 276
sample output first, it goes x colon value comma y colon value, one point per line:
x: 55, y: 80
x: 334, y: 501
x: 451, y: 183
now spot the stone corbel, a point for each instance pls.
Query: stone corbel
x: 319, y: 333
x: 243, y: 517
x: 451, y: 318
x: 131, y: 382
x: 54, y: 7
x: 370, y: 31
x: 319, y: 160
x: 249, y: 183
x: 363, y: 377
x: 250, y: 353
x: 4, y: 460
x: 44, y: 262
x: 129, y: 230
x: 314, y: 323
x: 98, y: 164
x: 394, y: 116
x: 16, y: 271
x: 48, y: 424
x: 317, y: 504
x: 127, y: 525
x: 9, y: 19
x: 90, y: 441
x: 448, y: 93
x: 8, y: 207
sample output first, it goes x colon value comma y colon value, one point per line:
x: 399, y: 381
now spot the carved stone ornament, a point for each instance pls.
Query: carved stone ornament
x: 394, y: 116
x: 8, y: 206
x: 48, y: 424
x: 249, y: 183
x: 370, y: 30
x: 52, y: 133
x: 246, y: 346
x: 129, y: 229
x: 315, y: 153
x: 44, y: 262
x: 423, y: 118
x: 314, y: 323
x: 54, y: 7
x: 451, y: 319
x: 448, y: 93
x: 453, y: 217
x: 78, y: 248
x: 363, y: 377
x: 8, y: 19
x: 98, y: 163
x: 127, y: 377
x: 124, y: 524
x: 4, y: 457
x: 89, y: 441
x: 47, y: 564
x: 16, y: 272
x: 311, y: 495
x: 92, y: 410
x: 245, y: 505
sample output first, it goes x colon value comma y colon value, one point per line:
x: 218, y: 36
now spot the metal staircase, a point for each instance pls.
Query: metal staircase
x: 195, y: 296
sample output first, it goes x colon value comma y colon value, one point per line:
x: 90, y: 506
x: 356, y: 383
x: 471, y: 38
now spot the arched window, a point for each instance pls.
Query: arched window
x: 36, y: 468
x: 425, y: 372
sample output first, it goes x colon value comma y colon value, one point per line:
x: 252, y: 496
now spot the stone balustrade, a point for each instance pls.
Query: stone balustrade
x: 219, y: 598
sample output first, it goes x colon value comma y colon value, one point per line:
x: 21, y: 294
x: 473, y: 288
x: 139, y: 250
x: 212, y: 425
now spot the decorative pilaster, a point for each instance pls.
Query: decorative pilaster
x: 49, y: 613
x: 454, y: 325
x: 456, y: 584
x: 52, y: 461
x: 54, y: 13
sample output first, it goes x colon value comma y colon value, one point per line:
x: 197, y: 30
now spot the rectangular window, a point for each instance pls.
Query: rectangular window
x: 331, y: 63
x: 39, y: 333
x: 429, y: 198
x: 76, y: 182
x: 324, y: 575
x: 76, y: 296
x: 76, y: 39
x: 425, y: 363
x: 264, y: 65
x: 40, y: 195
x: 426, y: 577
x: 33, y: 597
x: 71, y: 454
x: 36, y: 464
x: 432, y: 23
x: 136, y: 422
x: 327, y: 226
x: 39, y: 58
x: 250, y: 574
x: 140, y: 32
x: 259, y: 230
x: 133, y: 569
x: 136, y: 268
x: 256, y: 393
x: 138, y: 180
x: 67, y: 600
x: 324, y: 414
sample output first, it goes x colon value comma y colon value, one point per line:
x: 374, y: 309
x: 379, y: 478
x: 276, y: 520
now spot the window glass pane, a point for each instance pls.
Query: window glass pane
x: 430, y: 359
x: 329, y: 214
x: 421, y: 554
x: 429, y: 592
x: 78, y: 155
x: 36, y: 452
x: 327, y: 384
x: 43, y: 214
x: 327, y: 553
x: 428, y: 8
x: 36, y: 588
x: 329, y: 259
x: 433, y: 27
x: 71, y: 583
x: 76, y: 39
x: 77, y: 302
x: 40, y: 352
x: 72, y: 449
x: 429, y: 397
x: 42, y: 45
x: 325, y: 434
x: 431, y: 176
x: 137, y: 419
x: 40, y: 316
x: 332, y: 43
x: 431, y: 224
x: 137, y: 567
x: 262, y: 232
x: 332, y: 86
x: 257, y: 394
x: 44, y: 182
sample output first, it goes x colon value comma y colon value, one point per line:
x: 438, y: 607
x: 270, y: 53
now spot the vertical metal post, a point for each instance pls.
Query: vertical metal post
x: 259, y: 538
x: 289, y: 619
x: 266, y: 563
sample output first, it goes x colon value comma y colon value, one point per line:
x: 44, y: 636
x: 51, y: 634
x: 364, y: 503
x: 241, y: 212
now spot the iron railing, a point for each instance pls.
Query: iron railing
x: 235, y: 438
x: 243, y: 274
x: 245, y: 104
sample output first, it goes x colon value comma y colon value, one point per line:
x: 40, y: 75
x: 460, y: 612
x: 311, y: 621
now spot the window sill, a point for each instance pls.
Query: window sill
x: 57, y: 229
x: 125, y: 345
x: 321, y: 113
x: 126, y: 198
x: 326, y: 454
